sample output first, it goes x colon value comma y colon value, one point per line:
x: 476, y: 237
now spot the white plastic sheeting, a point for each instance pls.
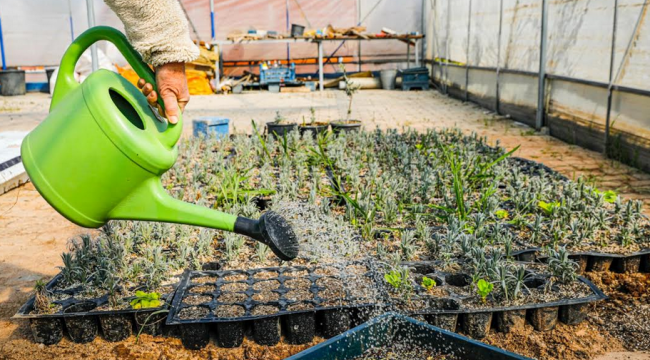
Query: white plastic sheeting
x: 37, y: 32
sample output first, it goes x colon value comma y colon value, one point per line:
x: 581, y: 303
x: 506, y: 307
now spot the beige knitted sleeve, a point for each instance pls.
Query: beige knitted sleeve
x: 157, y: 29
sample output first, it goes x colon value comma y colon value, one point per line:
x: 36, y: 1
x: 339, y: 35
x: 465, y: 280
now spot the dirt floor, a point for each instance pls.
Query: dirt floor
x: 34, y: 235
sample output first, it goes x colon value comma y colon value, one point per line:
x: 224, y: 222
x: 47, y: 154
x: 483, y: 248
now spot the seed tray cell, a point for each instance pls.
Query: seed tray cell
x: 240, y: 295
x: 595, y: 261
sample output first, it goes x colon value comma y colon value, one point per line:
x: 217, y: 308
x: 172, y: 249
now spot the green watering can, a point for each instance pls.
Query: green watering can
x: 99, y: 154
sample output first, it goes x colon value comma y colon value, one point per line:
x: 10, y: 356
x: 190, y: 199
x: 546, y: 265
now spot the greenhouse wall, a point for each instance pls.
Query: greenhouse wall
x: 488, y: 52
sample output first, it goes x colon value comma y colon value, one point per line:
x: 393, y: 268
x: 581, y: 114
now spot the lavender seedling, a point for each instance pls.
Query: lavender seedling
x: 561, y: 266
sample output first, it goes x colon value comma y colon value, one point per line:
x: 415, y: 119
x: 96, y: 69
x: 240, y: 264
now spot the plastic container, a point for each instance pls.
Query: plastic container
x: 389, y: 328
x: 345, y: 126
x: 12, y: 82
x: 211, y: 126
x: 415, y: 78
x: 388, y: 79
x: 277, y: 75
x: 280, y: 130
x: 297, y: 30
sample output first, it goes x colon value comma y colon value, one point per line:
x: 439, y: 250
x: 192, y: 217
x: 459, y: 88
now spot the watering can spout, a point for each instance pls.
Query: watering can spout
x: 150, y: 202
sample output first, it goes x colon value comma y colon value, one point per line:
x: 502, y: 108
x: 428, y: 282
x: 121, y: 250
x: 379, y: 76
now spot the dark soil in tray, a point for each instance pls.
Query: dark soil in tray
x: 204, y: 279
x: 235, y: 277
x: 193, y: 312
x: 266, y: 275
x: 296, y: 273
x: 266, y: 296
x: 234, y: 287
x: 297, y: 284
x: 196, y: 299
x: 229, y: 298
x: 229, y: 311
x: 202, y: 289
x: 299, y: 295
x: 327, y: 271
x: 401, y: 351
x: 266, y: 285
x: 261, y: 310
x: 301, y: 306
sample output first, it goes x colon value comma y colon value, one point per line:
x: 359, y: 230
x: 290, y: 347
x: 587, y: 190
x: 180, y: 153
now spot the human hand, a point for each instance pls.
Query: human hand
x: 172, y: 87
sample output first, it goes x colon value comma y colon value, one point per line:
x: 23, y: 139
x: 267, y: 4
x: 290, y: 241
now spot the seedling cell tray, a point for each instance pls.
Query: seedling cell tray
x: 595, y: 261
x: 82, y: 319
x: 299, y: 300
x: 391, y: 328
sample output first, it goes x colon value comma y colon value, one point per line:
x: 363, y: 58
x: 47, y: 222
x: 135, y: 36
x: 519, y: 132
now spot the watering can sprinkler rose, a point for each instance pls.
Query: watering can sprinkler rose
x: 101, y: 151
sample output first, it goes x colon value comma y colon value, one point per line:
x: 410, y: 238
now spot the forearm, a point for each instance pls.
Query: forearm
x: 157, y: 29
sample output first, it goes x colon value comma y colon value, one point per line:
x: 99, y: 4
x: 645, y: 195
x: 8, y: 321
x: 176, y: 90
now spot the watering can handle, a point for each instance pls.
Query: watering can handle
x: 65, y: 80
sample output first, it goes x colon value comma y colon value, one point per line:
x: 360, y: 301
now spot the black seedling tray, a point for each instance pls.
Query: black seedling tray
x: 248, y: 281
x: 445, y: 308
x: 330, y: 307
x: 393, y: 328
x: 82, y: 319
x: 535, y: 168
x: 596, y: 261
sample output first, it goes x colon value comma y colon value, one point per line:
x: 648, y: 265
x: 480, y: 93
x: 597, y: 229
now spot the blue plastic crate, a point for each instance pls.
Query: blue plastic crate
x: 211, y: 126
x: 389, y: 328
x: 277, y: 75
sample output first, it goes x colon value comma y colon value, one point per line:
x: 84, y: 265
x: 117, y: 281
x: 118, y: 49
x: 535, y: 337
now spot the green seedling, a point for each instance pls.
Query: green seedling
x: 394, y: 278
x: 502, y: 214
x: 428, y: 283
x: 609, y: 196
x: 484, y: 288
x: 548, y: 207
x: 145, y: 300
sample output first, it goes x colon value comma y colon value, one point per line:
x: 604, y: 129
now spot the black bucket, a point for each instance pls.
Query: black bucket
x: 12, y: 82
x: 280, y: 130
x: 345, y: 126
x: 297, y: 30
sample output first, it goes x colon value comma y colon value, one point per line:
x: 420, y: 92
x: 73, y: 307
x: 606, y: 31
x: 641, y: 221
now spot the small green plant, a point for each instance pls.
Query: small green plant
x: 42, y: 302
x: 279, y: 119
x: 428, y: 283
x: 502, y: 214
x: 394, y: 278
x: 548, y: 208
x: 350, y: 89
x: 484, y: 288
x: 609, y: 196
x: 145, y: 300
x: 399, y: 280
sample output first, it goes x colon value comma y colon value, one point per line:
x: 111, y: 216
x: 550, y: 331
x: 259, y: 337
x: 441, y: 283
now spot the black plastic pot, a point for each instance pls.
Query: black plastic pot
x: 279, y: 130
x: 230, y: 334
x: 81, y: 328
x: 544, y: 319
x: 299, y: 328
x: 361, y: 315
x: 12, y: 82
x: 47, y: 331
x: 645, y: 264
x: 333, y: 322
x: 573, y: 314
x: 506, y: 321
x: 116, y: 327
x: 626, y: 265
x: 345, y: 126
x: 266, y: 331
x: 313, y: 129
x: 195, y: 336
x: 582, y: 261
x: 599, y: 263
x: 444, y: 321
x: 476, y: 325
x: 148, y: 323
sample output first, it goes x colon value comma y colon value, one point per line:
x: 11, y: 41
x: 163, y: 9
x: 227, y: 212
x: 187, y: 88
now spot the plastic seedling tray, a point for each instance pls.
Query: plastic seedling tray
x: 596, y: 261
x: 296, y: 299
x: 448, y: 311
x: 82, y: 320
x: 393, y: 328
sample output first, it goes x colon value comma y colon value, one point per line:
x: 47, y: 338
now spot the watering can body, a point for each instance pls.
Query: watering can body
x: 101, y: 151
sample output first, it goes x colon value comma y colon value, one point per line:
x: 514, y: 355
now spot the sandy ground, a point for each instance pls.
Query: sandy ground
x: 34, y: 235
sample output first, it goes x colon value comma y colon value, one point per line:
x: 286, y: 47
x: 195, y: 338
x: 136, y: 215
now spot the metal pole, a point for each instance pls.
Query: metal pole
x: 70, y: 20
x: 408, y: 54
x: 90, y: 8
x: 611, y: 76
x: 320, y: 66
x: 496, y: 91
x: 417, y: 52
x: 469, y: 29
x: 539, y: 119
x: 423, y: 28
x: 2, y: 48
x: 447, y: 47
x: 212, y: 24
x: 286, y: 3
x: 359, y: 42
